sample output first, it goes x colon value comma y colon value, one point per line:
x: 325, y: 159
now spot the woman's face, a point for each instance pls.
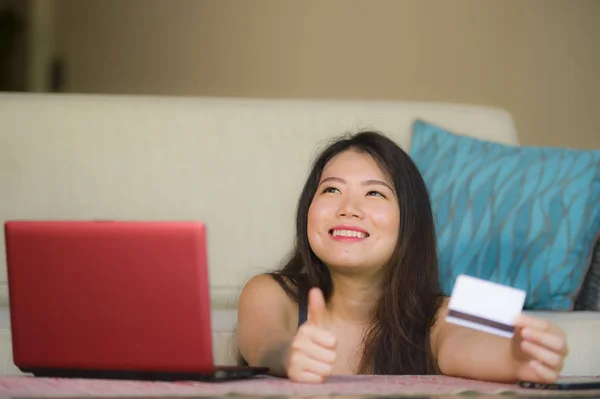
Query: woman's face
x: 354, y: 217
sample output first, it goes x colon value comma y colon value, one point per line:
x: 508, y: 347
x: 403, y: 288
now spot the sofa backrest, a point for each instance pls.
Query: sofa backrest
x: 236, y: 164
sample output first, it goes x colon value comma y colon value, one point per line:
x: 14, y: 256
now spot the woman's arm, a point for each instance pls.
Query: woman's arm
x: 264, y: 319
x: 536, y: 352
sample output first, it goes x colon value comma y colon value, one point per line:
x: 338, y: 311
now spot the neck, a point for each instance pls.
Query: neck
x: 354, y: 297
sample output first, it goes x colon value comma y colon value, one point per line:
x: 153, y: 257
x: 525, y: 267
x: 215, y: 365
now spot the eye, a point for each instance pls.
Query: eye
x: 376, y: 193
x: 330, y: 190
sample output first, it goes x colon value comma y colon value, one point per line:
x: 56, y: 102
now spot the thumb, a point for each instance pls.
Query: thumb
x: 316, y: 306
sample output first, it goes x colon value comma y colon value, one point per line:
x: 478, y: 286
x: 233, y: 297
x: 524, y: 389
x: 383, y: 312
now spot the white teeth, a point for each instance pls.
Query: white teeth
x: 348, y: 233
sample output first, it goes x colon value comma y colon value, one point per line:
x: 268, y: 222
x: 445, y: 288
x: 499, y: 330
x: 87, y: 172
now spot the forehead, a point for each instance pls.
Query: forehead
x: 349, y: 164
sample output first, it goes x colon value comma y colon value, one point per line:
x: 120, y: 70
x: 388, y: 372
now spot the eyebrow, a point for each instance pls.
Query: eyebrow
x: 364, y: 183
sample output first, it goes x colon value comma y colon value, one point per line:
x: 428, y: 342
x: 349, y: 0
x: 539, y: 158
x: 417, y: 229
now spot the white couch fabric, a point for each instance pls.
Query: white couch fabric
x: 236, y: 164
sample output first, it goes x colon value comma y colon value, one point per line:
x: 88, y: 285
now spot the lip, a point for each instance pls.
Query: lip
x: 350, y: 228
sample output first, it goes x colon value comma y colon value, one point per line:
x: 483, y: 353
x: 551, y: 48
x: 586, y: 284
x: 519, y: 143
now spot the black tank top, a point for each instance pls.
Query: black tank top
x: 302, y: 309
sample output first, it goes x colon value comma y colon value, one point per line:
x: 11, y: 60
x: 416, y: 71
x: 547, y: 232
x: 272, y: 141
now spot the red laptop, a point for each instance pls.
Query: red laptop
x: 125, y: 300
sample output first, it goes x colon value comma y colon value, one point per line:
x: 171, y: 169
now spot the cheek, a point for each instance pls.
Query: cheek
x: 316, y: 214
x: 319, y: 216
x: 387, y: 220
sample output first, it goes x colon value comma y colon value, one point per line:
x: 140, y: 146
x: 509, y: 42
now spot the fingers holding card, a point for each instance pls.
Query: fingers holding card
x: 525, y: 320
x: 545, y: 343
x: 539, y: 347
x: 552, y: 338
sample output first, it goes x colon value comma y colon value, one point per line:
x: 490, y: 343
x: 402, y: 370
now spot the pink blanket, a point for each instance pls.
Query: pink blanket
x: 15, y: 386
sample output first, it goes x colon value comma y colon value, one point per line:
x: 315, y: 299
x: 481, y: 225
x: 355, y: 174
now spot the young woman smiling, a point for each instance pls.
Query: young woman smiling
x: 360, y: 292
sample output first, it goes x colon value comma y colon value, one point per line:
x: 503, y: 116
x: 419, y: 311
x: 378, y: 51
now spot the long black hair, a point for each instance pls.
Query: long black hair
x: 397, y: 340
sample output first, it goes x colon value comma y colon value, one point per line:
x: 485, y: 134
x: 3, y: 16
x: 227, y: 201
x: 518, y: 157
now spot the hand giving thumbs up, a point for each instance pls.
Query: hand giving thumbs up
x: 312, y: 351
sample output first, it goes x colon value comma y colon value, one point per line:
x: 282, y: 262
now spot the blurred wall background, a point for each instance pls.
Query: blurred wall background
x: 539, y: 59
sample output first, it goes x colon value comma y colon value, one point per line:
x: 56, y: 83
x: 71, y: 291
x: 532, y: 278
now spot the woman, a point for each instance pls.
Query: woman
x: 360, y: 291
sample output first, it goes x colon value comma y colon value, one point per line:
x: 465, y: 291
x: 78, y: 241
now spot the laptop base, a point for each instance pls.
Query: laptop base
x: 221, y: 373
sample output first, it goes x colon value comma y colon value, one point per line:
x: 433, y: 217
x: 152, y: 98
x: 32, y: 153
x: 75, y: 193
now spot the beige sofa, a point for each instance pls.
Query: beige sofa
x: 236, y: 164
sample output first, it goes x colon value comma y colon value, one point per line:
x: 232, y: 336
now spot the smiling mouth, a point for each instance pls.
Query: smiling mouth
x: 348, y: 233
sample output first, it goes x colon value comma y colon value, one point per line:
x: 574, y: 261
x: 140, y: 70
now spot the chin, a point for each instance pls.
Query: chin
x: 345, y: 265
x: 342, y: 263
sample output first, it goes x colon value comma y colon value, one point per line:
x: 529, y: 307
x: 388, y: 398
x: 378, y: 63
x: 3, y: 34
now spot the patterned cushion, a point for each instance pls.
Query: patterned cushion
x: 521, y: 216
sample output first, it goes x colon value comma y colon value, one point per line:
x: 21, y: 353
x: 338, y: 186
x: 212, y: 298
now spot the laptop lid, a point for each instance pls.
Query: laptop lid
x: 109, y: 295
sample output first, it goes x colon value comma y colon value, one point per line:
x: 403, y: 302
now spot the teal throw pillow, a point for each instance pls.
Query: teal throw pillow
x: 522, y: 216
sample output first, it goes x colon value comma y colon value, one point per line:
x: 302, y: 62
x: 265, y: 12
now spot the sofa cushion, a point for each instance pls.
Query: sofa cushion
x: 521, y: 216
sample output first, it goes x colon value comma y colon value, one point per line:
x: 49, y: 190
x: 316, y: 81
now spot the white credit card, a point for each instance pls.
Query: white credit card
x: 485, y: 306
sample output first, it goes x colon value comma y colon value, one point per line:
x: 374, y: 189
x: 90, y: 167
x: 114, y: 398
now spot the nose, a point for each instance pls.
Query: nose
x: 350, y: 208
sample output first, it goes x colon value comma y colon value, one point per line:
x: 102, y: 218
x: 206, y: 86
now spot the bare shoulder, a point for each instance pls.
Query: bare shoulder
x: 265, y: 318
x: 438, y: 330
x: 263, y: 299
x: 262, y: 288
